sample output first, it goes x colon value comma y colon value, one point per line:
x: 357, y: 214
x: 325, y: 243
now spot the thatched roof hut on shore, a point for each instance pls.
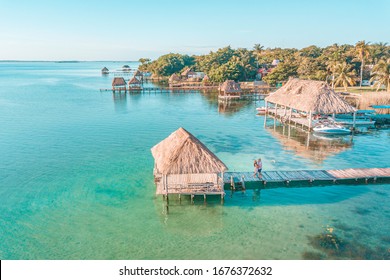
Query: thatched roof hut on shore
x: 118, y: 83
x: 311, y: 97
x: 184, y: 165
x: 174, y: 79
x: 230, y: 88
x: 185, y: 72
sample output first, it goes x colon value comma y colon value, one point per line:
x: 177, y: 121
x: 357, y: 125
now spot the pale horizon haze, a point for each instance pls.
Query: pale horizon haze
x: 129, y: 30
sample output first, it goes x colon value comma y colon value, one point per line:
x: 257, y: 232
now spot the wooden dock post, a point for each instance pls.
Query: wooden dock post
x: 243, y: 183
x: 233, y: 187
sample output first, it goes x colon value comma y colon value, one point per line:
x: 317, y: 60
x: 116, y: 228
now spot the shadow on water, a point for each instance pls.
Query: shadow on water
x: 281, y: 195
x: 225, y: 107
x: 120, y: 101
x: 188, y: 218
x: 308, y: 145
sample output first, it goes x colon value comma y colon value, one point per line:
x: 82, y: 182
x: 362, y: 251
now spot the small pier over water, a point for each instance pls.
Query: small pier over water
x: 234, y: 179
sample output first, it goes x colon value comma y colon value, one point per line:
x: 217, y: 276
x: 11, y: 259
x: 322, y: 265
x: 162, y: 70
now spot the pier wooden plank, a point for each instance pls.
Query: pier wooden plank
x: 310, y: 175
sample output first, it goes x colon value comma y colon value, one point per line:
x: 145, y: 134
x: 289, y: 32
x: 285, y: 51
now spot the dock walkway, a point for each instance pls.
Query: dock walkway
x: 309, y: 175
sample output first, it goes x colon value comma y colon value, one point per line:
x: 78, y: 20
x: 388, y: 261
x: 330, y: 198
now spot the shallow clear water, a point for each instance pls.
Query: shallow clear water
x: 76, y: 176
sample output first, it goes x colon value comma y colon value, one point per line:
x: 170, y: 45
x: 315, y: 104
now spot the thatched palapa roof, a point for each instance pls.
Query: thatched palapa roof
x: 138, y: 74
x: 134, y: 81
x: 183, y: 153
x: 118, y: 81
x: 230, y: 86
x: 186, y: 71
x: 306, y: 96
x: 174, y: 78
x: 105, y: 69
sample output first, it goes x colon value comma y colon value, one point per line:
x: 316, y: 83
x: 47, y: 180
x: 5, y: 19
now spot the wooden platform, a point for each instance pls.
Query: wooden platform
x: 309, y: 175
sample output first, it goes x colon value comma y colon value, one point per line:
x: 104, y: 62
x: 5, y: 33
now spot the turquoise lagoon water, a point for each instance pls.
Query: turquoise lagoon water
x: 76, y: 176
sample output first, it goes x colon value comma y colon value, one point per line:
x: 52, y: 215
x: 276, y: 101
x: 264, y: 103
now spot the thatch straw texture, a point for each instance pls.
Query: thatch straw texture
x: 118, y: 81
x: 134, y: 81
x: 138, y: 74
x: 183, y: 153
x: 306, y: 96
x: 230, y: 86
x: 186, y: 71
x: 174, y: 78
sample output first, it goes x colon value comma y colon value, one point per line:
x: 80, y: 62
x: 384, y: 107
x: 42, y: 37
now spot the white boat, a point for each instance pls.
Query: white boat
x: 261, y: 110
x: 361, y: 122
x: 331, y: 129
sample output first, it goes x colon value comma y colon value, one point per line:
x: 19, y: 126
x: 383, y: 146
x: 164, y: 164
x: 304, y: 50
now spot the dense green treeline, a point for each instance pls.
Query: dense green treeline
x: 340, y: 65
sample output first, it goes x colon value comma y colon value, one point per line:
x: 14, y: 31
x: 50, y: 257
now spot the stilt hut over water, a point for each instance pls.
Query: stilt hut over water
x: 230, y: 89
x: 184, y: 165
x: 105, y: 71
x: 139, y: 76
x: 134, y: 83
x: 118, y: 83
x: 308, y: 98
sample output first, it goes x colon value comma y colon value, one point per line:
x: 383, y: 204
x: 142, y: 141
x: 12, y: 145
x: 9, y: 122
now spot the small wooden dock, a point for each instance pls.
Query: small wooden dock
x: 334, y: 175
x: 295, y: 119
x: 158, y: 89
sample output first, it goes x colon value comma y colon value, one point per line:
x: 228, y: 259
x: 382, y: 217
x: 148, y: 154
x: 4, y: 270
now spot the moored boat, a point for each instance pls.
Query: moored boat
x: 261, y: 110
x: 331, y: 129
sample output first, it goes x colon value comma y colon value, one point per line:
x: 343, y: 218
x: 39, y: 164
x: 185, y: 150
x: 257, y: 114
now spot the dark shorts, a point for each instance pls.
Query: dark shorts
x: 259, y: 170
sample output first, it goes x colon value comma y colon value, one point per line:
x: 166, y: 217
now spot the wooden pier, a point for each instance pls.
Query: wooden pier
x: 247, y: 96
x: 292, y: 118
x: 240, y: 178
x: 158, y: 89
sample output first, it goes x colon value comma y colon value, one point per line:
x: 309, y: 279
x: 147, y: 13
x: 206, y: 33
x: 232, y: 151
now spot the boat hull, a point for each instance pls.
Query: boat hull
x: 333, y: 131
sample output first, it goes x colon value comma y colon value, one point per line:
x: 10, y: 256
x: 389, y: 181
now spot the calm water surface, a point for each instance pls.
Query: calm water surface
x: 76, y: 176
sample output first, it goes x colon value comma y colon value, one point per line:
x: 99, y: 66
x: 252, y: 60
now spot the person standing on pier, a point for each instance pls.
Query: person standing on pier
x: 256, y: 166
x: 259, y: 167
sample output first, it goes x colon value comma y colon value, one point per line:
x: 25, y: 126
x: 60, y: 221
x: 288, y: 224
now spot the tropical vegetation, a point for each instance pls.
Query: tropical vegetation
x: 339, y: 65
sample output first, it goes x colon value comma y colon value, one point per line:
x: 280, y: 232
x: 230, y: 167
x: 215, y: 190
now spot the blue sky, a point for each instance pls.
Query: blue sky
x: 128, y: 30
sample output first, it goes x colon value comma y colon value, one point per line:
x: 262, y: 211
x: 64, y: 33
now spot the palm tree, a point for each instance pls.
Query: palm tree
x: 344, y: 75
x: 331, y: 67
x: 379, y: 51
x: 362, y: 50
x: 258, y: 49
x: 381, y: 74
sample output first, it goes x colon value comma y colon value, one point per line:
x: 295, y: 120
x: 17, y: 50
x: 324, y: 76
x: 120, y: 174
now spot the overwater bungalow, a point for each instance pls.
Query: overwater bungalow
x: 298, y: 101
x: 174, y: 80
x: 184, y: 165
x: 229, y: 89
x: 138, y: 74
x: 118, y: 83
x: 126, y: 68
x: 105, y: 71
x: 134, y: 83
